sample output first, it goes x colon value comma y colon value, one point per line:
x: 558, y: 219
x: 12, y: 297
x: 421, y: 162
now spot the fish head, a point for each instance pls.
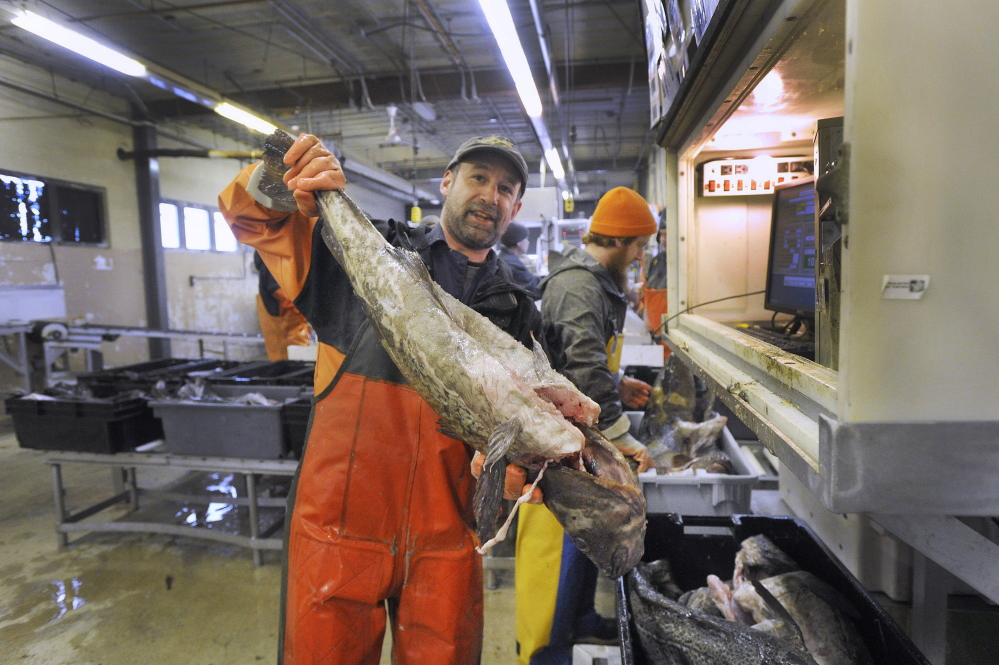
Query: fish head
x: 606, y: 523
x: 600, y: 505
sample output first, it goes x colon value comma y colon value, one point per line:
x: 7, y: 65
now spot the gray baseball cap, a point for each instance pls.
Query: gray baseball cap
x: 499, y: 144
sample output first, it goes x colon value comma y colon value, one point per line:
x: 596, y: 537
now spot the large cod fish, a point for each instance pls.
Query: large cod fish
x: 489, y: 391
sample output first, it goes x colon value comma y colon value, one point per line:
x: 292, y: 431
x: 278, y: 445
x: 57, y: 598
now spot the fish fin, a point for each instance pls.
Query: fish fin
x: 488, y: 499
x: 541, y: 364
x: 777, y: 608
x: 501, y: 439
x: 489, y: 490
x: 412, y: 262
x: 546, y: 374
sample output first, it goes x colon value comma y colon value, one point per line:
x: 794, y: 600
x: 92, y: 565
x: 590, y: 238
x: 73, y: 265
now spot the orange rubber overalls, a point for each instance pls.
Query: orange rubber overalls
x: 381, y: 507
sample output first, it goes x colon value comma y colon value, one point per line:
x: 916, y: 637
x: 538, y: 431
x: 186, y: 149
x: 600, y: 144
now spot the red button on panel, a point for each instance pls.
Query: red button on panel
x: 727, y: 185
x: 711, y: 185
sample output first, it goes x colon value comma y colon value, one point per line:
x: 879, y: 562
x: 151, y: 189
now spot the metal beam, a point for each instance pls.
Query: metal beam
x: 147, y: 185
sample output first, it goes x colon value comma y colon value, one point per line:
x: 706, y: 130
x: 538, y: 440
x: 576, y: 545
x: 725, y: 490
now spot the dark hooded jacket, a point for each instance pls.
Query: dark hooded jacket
x: 582, y: 308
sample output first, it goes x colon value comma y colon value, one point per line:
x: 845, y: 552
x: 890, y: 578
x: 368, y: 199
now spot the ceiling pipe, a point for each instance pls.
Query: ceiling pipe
x: 302, y: 26
x: 435, y: 23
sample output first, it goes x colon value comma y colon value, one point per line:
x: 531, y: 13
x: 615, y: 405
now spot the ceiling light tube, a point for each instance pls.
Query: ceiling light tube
x: 77, y: 43
x: 501, y: 23
x: 555, y: 163
x: 227, y: 110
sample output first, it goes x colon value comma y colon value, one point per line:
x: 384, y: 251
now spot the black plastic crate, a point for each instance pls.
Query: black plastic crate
x: 143, y: 376
x: 695, y: 552
x: 278, y: 372
x: 295, y: 424
x: 303, y: 377
x: 104, y: 426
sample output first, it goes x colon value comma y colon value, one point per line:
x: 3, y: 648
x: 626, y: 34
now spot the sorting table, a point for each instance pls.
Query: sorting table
x: 126, y: 488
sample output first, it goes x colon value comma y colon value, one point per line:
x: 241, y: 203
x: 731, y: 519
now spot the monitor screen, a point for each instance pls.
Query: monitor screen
x: 791, y: 261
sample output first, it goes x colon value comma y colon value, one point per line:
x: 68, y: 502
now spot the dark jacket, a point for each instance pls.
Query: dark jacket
x: 521, y: 275
x: 582, y: 309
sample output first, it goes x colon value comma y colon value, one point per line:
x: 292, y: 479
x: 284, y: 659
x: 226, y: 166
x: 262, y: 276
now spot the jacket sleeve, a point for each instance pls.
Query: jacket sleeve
x: 575, y: 313
x: 281, y: 234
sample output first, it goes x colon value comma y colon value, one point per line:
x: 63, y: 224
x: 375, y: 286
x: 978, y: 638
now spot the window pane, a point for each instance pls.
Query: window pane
x: 225, y: 241
x: 23, y: 210
x: 169, y: 226
x: 197, y: 234
x: 81, y: 215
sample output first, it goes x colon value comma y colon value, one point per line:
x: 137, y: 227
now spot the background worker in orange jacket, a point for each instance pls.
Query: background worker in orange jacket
x: 381, y: 511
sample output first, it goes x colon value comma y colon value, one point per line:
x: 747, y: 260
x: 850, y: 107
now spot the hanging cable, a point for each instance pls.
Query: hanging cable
x: 655, y: 333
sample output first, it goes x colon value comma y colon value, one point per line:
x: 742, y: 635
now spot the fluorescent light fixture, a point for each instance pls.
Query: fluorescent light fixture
x: 227, y: 110
x: 555, y: 163
x: 77, y: 43
x: 501, y: 23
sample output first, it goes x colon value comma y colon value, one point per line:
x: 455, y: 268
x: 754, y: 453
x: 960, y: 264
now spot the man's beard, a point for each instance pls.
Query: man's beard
x: 472, y: 238
x: 618, y: 266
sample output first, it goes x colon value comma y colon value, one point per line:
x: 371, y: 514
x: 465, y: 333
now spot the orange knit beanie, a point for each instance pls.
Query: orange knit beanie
x: 623, y: 213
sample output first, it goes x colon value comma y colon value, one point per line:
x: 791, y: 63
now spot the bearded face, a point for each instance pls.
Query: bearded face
x: 481, y: 196
x: 618, y: 262
x: 475, y: 224
x: 621, y: 257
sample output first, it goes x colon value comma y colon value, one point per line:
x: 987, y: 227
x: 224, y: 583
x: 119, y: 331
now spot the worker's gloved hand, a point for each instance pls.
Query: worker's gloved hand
x: 634, y: 392
x: 629, y: 446
x: 313, y: 168
x: 516, y: 480
x: 635, y: 449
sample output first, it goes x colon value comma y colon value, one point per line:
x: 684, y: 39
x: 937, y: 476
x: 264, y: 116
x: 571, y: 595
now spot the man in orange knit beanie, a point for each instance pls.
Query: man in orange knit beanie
x: 583, y: 307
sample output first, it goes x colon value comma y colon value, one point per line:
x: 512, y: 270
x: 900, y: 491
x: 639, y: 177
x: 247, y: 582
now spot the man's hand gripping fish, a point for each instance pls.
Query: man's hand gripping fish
x: 489, y: 391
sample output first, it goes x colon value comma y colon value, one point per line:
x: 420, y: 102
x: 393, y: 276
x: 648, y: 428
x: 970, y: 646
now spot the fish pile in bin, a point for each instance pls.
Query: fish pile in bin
x: 680, y: 427
x: 199, y: 407
x: 250, y: 411
x: 699, y: 468
x: 749, y: 590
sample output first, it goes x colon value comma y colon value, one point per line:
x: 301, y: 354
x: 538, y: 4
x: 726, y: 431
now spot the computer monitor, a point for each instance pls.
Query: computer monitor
x: 791, y: 259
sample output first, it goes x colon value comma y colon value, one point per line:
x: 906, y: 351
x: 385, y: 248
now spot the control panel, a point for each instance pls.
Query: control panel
x: 748, y: 177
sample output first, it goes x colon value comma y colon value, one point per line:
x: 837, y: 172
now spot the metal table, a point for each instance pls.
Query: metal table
x: 127, y: 489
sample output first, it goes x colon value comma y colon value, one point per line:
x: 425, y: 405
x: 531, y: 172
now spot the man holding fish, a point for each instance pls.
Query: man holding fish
x: 380, y: 512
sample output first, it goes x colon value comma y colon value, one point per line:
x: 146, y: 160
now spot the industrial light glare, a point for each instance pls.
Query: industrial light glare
x: 555, y: 163
x: 77, y: 43
x: 501, y: 23
x: 770, y: 90
x: 227, y: 110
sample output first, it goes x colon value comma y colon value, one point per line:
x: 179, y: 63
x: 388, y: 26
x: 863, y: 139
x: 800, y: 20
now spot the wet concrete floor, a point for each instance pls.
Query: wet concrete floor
x: 129, y: 599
